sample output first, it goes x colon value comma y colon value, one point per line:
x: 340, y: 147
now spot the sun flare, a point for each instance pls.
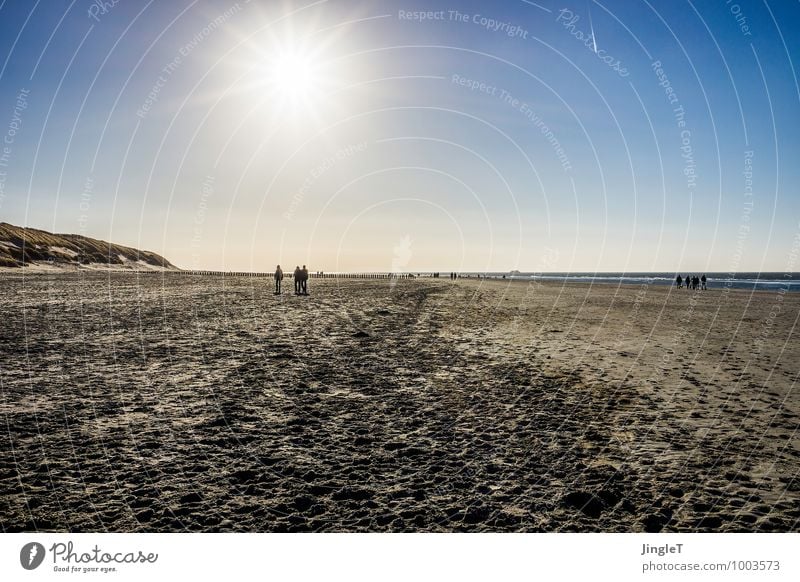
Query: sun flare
x: 295, y: 72
x: 293, y: 75
x: 295, y: 80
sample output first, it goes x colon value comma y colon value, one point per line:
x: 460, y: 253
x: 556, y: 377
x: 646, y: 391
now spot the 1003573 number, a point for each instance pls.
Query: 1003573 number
x: 755, y: 565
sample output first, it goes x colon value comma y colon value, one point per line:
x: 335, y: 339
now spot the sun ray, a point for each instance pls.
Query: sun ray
x: 287, y: 67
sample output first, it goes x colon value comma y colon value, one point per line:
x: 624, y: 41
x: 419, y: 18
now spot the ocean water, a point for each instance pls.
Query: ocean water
x: 789, y: 282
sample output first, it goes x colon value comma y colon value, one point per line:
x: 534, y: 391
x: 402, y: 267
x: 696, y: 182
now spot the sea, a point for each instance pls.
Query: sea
x: 788, y: 282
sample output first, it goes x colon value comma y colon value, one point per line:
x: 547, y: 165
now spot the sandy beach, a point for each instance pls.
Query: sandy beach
x: 182, y: 403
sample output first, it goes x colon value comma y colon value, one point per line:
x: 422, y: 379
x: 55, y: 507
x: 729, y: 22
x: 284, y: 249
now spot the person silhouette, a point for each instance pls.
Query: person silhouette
x: 679, y: 281
x: 703, y: 282
x: 297, y: 280
x: 304, y: 280
x: 278, y: 279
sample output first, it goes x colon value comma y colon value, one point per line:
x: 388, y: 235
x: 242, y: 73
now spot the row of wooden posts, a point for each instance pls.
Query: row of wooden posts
x: 290, y: 275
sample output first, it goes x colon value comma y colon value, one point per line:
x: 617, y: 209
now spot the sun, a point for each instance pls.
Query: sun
x: 292, y: 74
x: 295, y: 79
x: 295, y: 73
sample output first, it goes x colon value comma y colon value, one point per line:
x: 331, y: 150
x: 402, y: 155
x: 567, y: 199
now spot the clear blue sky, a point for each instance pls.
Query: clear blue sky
x: 353, y: 135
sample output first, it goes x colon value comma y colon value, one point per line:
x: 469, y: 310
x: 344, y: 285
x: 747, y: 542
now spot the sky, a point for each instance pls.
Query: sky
x: 409, y: 135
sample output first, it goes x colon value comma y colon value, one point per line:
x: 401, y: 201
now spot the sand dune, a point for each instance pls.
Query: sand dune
x: 184, y: 403
x: 42, y: 251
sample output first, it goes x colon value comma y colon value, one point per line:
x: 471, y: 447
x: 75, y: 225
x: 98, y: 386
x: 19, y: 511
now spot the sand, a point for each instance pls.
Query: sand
x: 176, y: 403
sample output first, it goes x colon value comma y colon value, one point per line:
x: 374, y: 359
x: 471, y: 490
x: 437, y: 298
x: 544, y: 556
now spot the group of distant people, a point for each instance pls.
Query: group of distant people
x: 300, y: 280
x: 691, y: 282
x: 453, y: 276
